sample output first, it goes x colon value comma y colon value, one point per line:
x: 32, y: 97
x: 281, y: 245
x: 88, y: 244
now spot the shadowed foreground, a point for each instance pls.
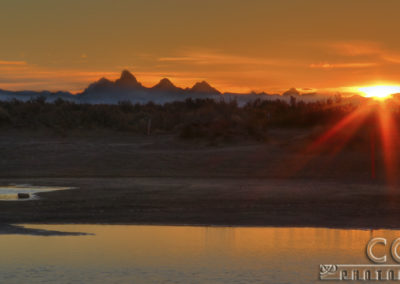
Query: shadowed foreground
x: 160, y: 180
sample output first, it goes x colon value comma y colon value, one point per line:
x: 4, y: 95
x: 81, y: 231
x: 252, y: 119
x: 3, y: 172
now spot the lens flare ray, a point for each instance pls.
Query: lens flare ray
x: 377, y: 121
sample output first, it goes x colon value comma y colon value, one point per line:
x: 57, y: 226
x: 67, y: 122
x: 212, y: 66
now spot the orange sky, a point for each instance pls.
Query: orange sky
x: 236, y: 45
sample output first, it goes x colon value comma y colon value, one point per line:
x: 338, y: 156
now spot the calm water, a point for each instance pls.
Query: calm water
x: 169, y: 254
x: 10, y: 192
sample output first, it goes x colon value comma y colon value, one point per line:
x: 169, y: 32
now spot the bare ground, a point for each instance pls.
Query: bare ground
x: 162, y: 180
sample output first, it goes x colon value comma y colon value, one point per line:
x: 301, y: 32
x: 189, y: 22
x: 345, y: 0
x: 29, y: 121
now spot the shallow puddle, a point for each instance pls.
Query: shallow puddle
x: 23, y: 192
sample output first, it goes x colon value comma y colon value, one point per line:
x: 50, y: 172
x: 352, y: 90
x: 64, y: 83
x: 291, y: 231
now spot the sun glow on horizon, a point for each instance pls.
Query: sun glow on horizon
x: 380, y: 92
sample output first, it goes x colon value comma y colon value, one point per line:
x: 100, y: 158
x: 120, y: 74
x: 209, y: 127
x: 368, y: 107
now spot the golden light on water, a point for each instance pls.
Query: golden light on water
x: 380, y: 91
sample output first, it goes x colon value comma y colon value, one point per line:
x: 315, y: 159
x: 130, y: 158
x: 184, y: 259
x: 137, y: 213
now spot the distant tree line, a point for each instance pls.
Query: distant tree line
x: 191, y: 119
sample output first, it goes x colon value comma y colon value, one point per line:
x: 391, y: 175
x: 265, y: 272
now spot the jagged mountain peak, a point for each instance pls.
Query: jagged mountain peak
x: 127, y: 76
x: 100, y: 85
x: 127, y: 79
x: 291, y: 92
x: 165, y: 85
x: 204, y: 87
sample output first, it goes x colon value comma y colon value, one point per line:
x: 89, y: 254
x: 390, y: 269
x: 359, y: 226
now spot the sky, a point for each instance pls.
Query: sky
x: 238, y: 46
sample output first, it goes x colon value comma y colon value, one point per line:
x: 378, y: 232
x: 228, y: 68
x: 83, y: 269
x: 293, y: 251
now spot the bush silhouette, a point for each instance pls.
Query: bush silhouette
x: 190, y: 119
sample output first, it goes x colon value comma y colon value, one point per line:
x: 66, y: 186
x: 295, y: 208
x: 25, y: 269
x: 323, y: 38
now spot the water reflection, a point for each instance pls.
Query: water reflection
x: 28, y: 192
x: 7, y: 229
x: 155, y: 254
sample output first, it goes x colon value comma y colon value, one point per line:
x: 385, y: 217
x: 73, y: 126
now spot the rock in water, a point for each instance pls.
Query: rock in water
x: 23, y: 195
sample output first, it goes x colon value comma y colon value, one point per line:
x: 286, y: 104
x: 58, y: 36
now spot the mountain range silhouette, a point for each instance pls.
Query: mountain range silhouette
x: 128, y: 88
x: 128, y: 81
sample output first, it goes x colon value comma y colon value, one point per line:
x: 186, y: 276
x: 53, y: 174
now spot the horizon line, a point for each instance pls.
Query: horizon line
x: 345, y: 91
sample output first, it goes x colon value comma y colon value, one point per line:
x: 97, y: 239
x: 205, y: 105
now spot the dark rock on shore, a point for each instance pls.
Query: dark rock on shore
x: 23, y: 195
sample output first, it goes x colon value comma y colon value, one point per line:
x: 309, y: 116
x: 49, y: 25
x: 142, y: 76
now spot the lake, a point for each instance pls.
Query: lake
x: 178, y: 254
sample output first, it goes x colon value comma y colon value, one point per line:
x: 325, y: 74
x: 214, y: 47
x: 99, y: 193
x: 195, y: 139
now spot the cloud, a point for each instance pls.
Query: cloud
x: 19, y: 63
x: 216, y: 58
x: 356, y: 48
x: 177, y: 58
x: 392, y: 58
x: 22, y: 76
x: 365, y: 49
x: 343, y: 65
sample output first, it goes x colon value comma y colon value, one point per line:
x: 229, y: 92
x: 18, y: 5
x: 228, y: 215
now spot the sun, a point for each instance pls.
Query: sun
x: 380, y: 92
